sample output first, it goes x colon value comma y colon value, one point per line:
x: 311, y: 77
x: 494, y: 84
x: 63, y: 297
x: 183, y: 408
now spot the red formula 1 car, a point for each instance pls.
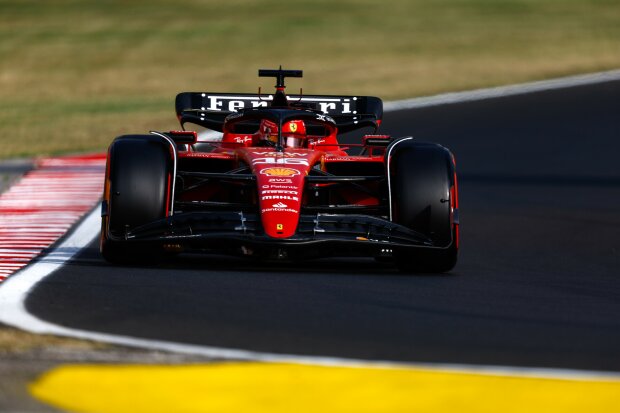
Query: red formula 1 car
x: 278, y: 184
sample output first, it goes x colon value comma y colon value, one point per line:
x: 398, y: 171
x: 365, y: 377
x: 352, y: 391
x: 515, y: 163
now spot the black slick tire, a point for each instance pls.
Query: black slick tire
x: 138, y: 180
x: 423, y: 198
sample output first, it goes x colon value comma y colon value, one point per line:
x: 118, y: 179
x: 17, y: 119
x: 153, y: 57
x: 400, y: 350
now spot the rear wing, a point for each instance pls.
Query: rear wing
x: 210, y: 109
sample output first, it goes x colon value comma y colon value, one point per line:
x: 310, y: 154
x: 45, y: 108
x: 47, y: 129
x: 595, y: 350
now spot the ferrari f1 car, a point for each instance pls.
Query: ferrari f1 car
x: 277, y: 183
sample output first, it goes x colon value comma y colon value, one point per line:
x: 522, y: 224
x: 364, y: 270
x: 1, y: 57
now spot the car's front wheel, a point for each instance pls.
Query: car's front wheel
x: 139, y: 176
x: 423, y: 197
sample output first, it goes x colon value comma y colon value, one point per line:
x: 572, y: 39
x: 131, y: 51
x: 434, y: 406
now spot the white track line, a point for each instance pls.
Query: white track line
x: 503, y: 91
x: 15, y: 289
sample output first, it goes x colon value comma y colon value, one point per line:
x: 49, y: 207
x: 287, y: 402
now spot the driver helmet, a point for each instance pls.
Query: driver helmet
x: 294, y: 133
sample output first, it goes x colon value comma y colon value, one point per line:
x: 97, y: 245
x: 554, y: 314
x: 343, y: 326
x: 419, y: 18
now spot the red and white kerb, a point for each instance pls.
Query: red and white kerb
x: 44, y: 204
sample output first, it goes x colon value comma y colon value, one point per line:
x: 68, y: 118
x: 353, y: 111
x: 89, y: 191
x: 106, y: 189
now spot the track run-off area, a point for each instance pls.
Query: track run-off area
x: 528, y: 319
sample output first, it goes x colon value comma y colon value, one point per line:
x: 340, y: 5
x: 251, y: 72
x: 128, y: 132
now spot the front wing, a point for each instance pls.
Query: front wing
x: 318, y: 235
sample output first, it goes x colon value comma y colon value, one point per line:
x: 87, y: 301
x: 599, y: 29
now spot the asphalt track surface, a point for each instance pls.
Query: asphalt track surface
x: 537, y: 282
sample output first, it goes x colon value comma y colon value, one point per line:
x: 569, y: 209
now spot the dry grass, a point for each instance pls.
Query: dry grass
x: 17, y: 341
x: 76, y: 73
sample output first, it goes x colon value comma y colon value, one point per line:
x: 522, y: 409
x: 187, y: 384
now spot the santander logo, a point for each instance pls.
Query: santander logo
x: 280, y: 205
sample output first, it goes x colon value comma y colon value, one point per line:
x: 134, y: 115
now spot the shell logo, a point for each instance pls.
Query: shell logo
x: 279, y: 172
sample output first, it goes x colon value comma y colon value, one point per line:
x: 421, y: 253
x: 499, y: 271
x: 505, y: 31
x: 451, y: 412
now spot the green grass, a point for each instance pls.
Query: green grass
x: 76, y: 73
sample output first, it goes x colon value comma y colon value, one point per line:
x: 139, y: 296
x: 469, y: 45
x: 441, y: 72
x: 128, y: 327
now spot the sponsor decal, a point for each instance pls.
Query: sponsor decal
x: 279, y: 181
x: 284, y: 197
x: 279, y: 227
x: 280, y: 161
x: 343, y: 159
x: 280, y: 191
x: 244, y: 139
x: 293, y: 127
x: 220, y: 155
x: 265, y: 210
x: 280, y: 172
x: 234, y: 103
x: 325, y: 118
x: 280, y: 205
x: 280, y: 187
x: 319, y: 141
x: 282, y: 154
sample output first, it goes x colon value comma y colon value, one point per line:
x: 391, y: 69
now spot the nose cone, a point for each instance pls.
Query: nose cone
x: 280, y: 192
x: 280, y: 179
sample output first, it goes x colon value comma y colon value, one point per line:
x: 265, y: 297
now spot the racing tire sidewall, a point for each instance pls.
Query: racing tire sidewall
x: 422, y: 182
x: 139, y: 175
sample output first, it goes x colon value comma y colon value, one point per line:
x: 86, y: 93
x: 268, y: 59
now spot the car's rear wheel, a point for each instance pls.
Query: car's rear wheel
x: 423, y: 197
x: 138, y: 191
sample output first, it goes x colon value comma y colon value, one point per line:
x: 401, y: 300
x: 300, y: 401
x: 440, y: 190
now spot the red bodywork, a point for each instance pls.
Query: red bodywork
x: 245, y: 191
x: 281, y: 176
